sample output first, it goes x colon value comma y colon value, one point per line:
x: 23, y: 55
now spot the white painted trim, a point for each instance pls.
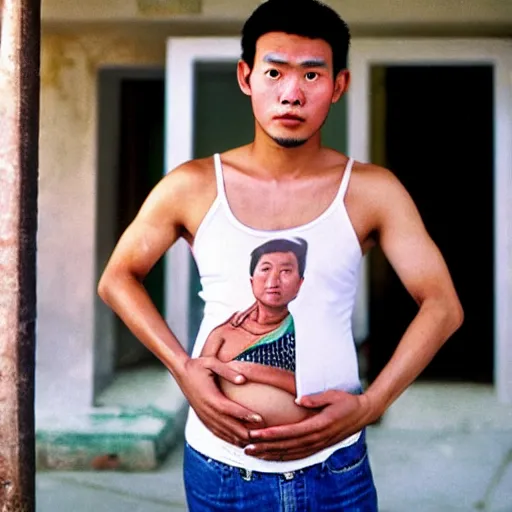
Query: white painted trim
x: 366, y: 53
x: 358, y: 147
x: 182, y: 54
x: 503, y: 227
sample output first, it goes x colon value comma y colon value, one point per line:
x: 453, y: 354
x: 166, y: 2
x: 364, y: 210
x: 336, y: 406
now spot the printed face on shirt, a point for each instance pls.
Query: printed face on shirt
x: 292, y: 86
x: 276, y: 280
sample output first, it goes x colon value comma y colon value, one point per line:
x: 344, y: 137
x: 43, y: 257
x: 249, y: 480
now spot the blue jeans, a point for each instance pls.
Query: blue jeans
x: 343, y: 482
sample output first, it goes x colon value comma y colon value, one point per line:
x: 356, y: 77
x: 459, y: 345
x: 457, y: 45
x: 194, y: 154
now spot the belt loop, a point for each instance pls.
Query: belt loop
x: 246, y: 474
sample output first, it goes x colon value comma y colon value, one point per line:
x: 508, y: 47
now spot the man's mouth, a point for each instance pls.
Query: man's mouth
x: 290, y: 120
x: 290, y: 117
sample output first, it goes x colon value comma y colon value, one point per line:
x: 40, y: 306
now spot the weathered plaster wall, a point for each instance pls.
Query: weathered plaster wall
x: 67, y: 205
x: 357, y: 12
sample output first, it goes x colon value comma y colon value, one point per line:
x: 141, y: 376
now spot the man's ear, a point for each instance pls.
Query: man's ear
x: 341, y: 84
x: 244, y: 77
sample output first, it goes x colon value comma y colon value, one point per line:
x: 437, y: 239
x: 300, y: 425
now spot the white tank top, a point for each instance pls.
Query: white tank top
x: 322, y: 311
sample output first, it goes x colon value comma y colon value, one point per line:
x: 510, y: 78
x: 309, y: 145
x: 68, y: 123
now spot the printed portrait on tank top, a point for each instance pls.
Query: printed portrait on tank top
x: 264, y: 333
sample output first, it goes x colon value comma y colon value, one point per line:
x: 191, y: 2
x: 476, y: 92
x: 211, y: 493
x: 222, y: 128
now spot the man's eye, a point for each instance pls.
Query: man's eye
x: 311, y: 75
x: 273, y: 73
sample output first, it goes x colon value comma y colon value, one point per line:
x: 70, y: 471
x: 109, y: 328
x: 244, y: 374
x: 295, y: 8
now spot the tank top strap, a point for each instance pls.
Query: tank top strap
x: 346, y: 179
x: 219, y: 177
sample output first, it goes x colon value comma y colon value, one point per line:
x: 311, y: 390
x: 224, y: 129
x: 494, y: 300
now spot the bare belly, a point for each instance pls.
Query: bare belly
x: 276, y: 406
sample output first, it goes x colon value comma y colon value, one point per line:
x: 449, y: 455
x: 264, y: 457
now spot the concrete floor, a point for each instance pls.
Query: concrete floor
x: 440, y: 448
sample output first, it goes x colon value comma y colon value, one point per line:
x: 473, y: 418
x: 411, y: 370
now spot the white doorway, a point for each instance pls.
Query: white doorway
x: 183, y: 57
x: 366, y: 55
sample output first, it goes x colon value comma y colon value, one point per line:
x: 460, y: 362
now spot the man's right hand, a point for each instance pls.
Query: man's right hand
x: 225, y: 418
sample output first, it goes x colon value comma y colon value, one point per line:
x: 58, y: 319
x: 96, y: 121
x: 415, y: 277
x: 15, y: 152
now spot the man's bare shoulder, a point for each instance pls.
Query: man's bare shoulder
x: 375, y: 199
x: 371, y: 172
x: 191, y: 183
x: 378, y: 197
x: 191, y: 177
x: 374, y: 182
x: 182, y: 197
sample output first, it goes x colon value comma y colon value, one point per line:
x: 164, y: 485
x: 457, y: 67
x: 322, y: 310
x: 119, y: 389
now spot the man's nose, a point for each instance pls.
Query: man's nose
x: 273, y: 279
x: 292, y: 93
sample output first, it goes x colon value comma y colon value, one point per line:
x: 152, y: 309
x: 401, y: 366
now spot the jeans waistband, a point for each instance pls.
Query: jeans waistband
x: 354, y: 451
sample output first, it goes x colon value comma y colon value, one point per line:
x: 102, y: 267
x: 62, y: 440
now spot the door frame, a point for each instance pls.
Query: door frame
x: 182, y: 55
x: 366, y: 53
x: 184, y: 52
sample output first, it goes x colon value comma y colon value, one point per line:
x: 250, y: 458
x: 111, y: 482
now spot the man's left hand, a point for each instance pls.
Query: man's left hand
x: 340, y: 415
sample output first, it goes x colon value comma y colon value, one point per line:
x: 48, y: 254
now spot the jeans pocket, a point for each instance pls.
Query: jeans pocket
x: 345, y: 459
x: 203, y: 477
x: 202, y: 463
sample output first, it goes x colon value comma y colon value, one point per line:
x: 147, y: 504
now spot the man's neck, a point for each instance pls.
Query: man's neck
x: 268, y: 316
x: 276, y: 162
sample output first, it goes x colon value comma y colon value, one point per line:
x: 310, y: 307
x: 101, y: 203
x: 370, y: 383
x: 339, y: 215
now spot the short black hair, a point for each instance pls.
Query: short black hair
x: 297, y: 245
x: 306, y: 18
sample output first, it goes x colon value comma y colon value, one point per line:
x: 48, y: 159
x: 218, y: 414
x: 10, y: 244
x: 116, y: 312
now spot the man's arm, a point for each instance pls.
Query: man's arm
x: 422, y: 270
x: 162, y: 219
x: 262, y: 374
x: 253, y: 372
x: 213, y: 343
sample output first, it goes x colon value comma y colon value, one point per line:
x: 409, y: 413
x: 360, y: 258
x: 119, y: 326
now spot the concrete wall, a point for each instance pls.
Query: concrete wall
x: 466, y: 14
x: 67, y: 206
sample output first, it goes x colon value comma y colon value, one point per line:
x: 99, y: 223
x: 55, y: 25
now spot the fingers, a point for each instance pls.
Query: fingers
x: 272, y: 376
x: 223, y: 425
x: 232, y: 432
x: 289, y: 455
x: 299, y: 447
x: 319, y: 400
x: 292, y: 431
x: 223, y: 370
x: 228, y: 436
x: 221, y: 414
x: 288, y: 451
x: 234, y: 410
x: 226, y: 419
x: 300, y: 452
x: 290, y: 445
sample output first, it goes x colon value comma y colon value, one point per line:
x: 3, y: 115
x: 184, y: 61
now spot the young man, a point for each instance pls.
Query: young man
x: 285, y: 185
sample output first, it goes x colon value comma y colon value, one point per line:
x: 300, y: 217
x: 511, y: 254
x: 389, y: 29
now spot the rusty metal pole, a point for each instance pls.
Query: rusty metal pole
x: 19, y: 131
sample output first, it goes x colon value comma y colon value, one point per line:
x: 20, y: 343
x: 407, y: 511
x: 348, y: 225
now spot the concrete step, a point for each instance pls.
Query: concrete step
x: 132, y: 428
x: 105, y: 438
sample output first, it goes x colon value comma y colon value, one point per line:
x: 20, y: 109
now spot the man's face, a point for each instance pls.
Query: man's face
x: 276, y: 280
x: 291, y: 86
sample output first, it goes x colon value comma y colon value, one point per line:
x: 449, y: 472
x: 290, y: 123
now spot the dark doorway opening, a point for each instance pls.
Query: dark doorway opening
x: 141, y: 164
x: 433, y: 127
